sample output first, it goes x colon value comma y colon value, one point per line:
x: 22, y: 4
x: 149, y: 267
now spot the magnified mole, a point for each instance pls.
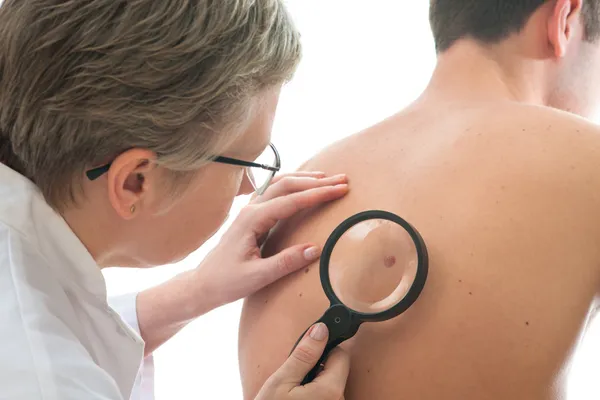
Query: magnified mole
x: 389, y: 261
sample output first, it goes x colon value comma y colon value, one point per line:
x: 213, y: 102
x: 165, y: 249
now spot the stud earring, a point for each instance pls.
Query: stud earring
x: 132, y: 209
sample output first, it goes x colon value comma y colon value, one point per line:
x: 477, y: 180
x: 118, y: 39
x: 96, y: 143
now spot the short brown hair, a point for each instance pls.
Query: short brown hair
x: 82, y: 81
x: 490, y: 21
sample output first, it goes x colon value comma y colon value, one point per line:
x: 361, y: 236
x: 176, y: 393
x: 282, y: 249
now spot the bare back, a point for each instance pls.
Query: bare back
x: 506, y: 197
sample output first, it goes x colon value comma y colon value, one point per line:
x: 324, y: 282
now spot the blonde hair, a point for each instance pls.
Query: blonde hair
x: 82, y: 81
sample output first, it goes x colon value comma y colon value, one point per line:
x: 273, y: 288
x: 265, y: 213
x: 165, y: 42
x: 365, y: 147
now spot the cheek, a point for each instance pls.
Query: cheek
x: 214, y: 205
x: 191, y: 221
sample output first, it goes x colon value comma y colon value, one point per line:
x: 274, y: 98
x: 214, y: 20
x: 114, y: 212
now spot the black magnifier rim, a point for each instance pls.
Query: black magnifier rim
x: 420, y: 278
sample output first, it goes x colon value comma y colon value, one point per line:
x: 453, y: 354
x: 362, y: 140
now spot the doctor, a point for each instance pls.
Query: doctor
x: 126, y: 130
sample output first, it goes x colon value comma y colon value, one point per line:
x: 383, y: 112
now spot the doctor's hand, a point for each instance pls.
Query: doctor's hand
x: 235, y: 269
x: 328, y: 385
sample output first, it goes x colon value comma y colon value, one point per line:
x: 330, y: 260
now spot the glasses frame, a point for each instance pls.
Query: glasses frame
x: 97, y: 172
x: 273, y: 169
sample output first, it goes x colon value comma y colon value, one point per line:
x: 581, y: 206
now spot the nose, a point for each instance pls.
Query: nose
x: 246, y: 187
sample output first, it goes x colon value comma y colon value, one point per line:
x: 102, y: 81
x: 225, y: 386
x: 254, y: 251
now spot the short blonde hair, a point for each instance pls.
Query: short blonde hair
x: 82, y: 81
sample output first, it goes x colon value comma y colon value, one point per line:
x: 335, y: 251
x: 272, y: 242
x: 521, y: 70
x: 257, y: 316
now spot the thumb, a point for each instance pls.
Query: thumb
x: 305, y: 356
x: 288, y: 261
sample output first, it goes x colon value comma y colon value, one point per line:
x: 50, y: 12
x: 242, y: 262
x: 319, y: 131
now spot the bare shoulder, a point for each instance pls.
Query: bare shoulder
x: 545, y: 125
x: 275, y: 316
x: 562, y: 147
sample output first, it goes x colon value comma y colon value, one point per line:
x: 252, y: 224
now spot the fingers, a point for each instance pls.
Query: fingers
x: 304, y: 357
x: 293, y: 184
x: 288, y: 261
x: 335, y: 374
x: 330, y: 384
x: 284, y: 207
x: 299, y: 174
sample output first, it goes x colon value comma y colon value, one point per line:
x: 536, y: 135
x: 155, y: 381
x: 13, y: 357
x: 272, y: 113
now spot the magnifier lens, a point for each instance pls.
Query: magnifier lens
x: 373, y: 265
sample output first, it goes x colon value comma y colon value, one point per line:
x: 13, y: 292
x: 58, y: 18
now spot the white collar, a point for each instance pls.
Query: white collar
x: 24, y: 209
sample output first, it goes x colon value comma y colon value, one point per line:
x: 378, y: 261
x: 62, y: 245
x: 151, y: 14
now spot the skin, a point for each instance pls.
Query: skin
x: 503, y: 187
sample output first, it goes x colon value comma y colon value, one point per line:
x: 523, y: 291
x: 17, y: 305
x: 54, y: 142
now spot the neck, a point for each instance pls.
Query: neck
x: 92, y: 231
x: 468, y: 73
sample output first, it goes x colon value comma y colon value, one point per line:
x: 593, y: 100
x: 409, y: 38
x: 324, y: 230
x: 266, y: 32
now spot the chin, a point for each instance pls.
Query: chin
x: 179, y: 258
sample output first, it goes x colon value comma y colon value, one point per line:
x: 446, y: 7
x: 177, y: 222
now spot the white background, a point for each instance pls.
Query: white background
x: 363, y: 61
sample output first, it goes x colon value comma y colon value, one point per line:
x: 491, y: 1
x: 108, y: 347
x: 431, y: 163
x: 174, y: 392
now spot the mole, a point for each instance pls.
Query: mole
x: 389, y: 261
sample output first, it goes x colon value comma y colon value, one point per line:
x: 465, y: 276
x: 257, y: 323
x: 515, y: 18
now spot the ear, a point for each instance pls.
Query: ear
x: 564, y: 16
x: 128, y: 182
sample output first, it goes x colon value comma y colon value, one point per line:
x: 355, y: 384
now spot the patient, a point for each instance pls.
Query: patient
x: 497, y: 168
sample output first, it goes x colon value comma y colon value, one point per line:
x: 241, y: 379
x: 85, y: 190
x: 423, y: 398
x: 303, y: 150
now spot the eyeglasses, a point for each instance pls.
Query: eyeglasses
x: 260, y: 173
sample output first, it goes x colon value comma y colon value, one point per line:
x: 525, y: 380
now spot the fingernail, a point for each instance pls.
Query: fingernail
x: 319, y: 332
x: 312, y: 253
x: 340, y: 177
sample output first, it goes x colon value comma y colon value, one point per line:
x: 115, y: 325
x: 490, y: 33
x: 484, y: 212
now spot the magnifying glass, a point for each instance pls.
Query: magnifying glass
x: 373, y: 268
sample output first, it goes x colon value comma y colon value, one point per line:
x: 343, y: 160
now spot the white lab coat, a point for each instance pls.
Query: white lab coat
x: 59, y: 338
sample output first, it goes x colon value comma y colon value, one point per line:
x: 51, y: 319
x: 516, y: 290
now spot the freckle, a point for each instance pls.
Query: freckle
x: 368, y: 371
x: 470, y: 293
x: 307, y: 270
x: 460, y: 280
x: 266, y: 301
x: 527, y: 323
x: 389, y: 261
x: 258, y: 366
x: 300, y: 295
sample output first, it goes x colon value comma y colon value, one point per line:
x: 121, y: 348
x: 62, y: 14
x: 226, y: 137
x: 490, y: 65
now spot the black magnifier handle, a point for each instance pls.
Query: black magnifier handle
x: 341, y: 325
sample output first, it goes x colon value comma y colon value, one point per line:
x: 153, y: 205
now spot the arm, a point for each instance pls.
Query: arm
x: 285, y: 383
x: 159, y: 313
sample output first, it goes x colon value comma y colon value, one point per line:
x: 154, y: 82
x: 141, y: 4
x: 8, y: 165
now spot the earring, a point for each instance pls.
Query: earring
x: 132, y: 209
